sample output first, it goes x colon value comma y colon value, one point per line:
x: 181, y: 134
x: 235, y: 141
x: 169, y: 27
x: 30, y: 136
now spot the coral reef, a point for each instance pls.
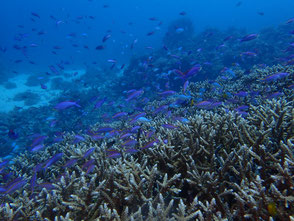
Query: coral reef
x: 178, y: 32
x: 213, y: 49
x: 220, y: 149
x: 217, y: 164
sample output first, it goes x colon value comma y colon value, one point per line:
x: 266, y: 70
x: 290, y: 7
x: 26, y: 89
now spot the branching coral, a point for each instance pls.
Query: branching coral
x: 217, y: 165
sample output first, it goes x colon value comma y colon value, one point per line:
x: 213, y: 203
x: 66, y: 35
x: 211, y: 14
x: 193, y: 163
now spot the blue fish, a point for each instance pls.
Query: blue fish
x: 52, y: 160
x: 65, y: 105
x: 249, y: 37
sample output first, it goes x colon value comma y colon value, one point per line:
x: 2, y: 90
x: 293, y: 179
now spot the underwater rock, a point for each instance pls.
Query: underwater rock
x: 10, y: 85
x: 28, y: 97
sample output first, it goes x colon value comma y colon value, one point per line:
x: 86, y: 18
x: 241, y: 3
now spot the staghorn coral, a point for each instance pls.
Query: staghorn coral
x: 217, y: 165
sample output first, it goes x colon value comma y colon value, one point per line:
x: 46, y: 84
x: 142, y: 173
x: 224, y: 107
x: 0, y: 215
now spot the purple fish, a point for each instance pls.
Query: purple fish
x: 243, y: 113
x: 216, y: 104
x: 78, y: 138
x: 175, y: 56
x: 136, y: 116
x: 112, y: 134
x: 90, y: 151
x: 2, y: 189
x: 38, y: 167
x: 135, y: 129
x: 220, y: 46
x: 131, y: 91
x: 134, y: 95
x: 190, y: 73
x: 7, y: 176
x: 88, y: 163
x: 100, y: 47
x: 66, y: 104
x: 160, y: 108
x: 290, y: 21
x: 100, y: 103
x: 38, y: 140
x: 204, y: 104
x: 149, y: 134
x: 194, y: 70
x: 249, y: 37
x: 4, y: 163
x: 126, y: 135
x: 70, y: 163
x: 53, y: 69
x: 90, y: 168
x: 242, y: 108
x: 129, y: 142
x: 167, y: 93
x: 131, y: 150
x: 181, y: 119
x: 35, y: 14
x: 106, y: 37
x: 104, y: 130
x: 113, y: 154
x: 33, y: 181
x: 37, y: 147
x: 274, y: 95
x: 275, y: 76
x: 58, y: 139
x: 248, y: 53
x: 291, y: 86
x: 185, y: 86
x: 97, y: 137
x: 13, y: 186
x: 119, y: 114
x: 149, y: 144
x: 43, y: 86
x: 52, y: 160
x: 228, y: 38
x: 241, y: 94
x: 169, y: 126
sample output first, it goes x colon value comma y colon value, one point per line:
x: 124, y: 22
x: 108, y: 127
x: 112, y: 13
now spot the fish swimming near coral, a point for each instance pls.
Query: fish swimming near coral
x: 119, y: 115
x: 134, y: 95
x: 275, y: 76
x: 167, y: 93
x: 13, y: 186
x: 53, y: 160
x: 189, y: 73
x: 65, y: 105
x: 169, y: 126
x: 249, y: 37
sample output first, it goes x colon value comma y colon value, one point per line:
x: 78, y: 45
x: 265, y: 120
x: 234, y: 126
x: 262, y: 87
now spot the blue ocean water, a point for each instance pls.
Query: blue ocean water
x: 127, y: 21
x: 85, y: 52
x: 82, y: 81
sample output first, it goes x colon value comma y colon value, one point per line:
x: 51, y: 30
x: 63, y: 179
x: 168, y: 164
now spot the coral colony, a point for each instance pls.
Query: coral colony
x: 194, y: 138
x: 207, y: 161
